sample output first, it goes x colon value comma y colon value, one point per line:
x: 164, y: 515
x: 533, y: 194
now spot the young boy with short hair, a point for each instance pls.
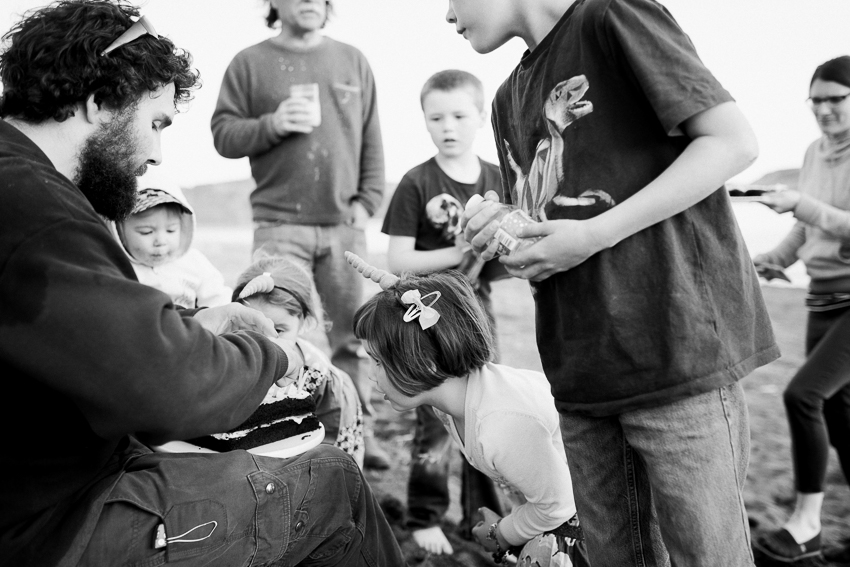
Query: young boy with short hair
x: 157, y: 237
x: 614, y: 134
x: 423, y: 223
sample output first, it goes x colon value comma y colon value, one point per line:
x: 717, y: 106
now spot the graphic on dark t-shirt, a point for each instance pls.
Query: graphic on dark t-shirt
x: 589, y: 118
x: 428, y: 204
x: 444, y: 212
x: 533, y: 191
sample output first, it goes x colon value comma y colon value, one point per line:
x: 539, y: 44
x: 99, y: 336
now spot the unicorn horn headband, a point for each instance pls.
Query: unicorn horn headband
x: 382, y: 277
x: 426, y: 314
x: 264, y: 283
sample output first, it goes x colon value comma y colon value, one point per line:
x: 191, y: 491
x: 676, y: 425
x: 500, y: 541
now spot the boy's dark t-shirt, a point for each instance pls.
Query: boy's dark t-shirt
x: 587, y: 119
x: 428, y: 204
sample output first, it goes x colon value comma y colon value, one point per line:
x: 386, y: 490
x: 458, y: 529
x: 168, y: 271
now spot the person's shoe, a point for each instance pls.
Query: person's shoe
x: 780, y: 546
x: 375, y: 458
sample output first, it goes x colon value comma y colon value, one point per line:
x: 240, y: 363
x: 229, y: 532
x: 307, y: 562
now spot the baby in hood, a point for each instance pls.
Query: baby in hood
x: 157, y: 237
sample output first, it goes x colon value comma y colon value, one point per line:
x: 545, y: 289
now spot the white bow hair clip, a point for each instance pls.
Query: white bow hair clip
x: 426, y: 314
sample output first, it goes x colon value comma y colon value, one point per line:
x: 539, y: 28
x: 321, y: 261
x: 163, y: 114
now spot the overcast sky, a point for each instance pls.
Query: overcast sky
x: 763, y: 51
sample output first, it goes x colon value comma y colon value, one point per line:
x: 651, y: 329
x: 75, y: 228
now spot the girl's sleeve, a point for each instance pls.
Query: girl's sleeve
x: 785, y: 253
x: 211, y: 292
x: 519, y: 448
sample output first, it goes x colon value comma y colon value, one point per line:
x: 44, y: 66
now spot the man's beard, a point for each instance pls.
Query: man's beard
x: 107, y: 172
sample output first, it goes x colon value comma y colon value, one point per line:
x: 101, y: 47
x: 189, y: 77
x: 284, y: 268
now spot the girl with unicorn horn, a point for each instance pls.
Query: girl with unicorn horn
x: 432, y: 344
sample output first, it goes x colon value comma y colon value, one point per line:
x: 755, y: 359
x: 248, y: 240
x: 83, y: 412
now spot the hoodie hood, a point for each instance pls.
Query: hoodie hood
x: 155, y: 189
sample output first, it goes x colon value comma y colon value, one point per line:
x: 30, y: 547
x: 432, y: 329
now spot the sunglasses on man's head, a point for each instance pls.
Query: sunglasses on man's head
x: 141, y: 27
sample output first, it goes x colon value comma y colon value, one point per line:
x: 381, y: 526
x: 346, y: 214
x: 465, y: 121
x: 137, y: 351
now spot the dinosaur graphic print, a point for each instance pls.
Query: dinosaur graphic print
x: 535, y: 189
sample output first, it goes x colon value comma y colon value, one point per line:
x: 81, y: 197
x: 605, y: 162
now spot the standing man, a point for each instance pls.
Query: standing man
x: 94, y: 360
x: 302, y: 107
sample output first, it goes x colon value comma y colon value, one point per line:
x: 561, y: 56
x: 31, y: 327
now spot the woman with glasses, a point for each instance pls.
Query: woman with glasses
x: 817, y: 399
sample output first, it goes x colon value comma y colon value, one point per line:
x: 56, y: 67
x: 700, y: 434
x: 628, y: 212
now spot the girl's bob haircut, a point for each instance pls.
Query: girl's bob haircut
x: 298, y: 294
x: 418, y: 360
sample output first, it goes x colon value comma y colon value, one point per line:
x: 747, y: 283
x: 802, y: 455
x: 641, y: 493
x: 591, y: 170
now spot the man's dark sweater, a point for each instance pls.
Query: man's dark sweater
x: 89, y: 356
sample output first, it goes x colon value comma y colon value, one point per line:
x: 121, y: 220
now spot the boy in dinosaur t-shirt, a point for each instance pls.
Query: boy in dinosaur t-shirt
x: 613, y: 134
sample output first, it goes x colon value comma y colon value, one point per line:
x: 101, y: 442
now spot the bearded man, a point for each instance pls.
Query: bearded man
x: 94, y: 362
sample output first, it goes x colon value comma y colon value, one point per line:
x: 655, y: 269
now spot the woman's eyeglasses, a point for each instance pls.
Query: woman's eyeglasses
x: 141, y: 27
x: 816, y: 101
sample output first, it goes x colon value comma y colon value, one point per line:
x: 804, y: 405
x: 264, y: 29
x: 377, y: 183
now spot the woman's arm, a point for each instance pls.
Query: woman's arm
x: 785, y: 253
x: 826, y: 217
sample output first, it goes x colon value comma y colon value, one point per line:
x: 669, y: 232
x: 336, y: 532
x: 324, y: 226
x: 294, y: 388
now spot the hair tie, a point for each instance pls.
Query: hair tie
x: 426, y: 314
x: 383, y: 278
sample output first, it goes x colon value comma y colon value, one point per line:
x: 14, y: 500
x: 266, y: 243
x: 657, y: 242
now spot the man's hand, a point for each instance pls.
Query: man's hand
x: 781, y: 201
x: 565, y: 245
x: 479, y: 225
x: 293, y: 115
x: 234, y: 317
x: 359, y: 216
x: 296, y: 361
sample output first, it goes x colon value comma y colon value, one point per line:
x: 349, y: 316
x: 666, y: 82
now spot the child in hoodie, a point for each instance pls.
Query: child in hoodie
x: 157, y: 237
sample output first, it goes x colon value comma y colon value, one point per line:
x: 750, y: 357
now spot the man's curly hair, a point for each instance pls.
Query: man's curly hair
x: 52, y: 62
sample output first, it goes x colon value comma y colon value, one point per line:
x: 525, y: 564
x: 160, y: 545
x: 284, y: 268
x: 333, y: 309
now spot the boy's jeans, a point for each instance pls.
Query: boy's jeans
x: 664, y: 485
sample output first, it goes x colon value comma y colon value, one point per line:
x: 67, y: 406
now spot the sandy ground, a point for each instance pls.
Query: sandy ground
x: 769, y: 490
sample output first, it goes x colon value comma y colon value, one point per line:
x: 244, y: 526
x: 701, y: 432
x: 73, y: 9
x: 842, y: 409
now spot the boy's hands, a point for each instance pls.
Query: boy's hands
x: 293, y: 115
x: 478, y: 224
x: 234, y: 317
x: 565, y: 245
